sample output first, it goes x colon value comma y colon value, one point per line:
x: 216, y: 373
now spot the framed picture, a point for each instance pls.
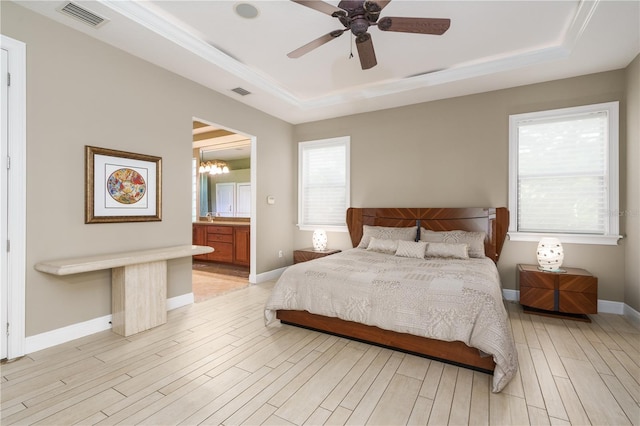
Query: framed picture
x: 122, y: 186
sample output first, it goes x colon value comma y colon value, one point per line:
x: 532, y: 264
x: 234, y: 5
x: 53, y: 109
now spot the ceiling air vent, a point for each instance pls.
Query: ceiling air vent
x: 82, y: 14
x: 240, y: 91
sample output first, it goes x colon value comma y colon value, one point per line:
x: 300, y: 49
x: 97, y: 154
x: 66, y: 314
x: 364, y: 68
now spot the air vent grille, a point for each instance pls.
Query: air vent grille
x: 240, y: 91
x: 82, y: 14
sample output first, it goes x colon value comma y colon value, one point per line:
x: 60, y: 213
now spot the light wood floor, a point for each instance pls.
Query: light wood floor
x: 216, y: 363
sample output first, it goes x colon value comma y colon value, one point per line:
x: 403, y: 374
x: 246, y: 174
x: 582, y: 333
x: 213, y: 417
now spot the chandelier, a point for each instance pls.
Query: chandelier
x: 214, y: 167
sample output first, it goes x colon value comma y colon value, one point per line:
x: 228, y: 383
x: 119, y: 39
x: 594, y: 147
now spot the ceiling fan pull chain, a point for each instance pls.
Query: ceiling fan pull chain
x: 351, y: 53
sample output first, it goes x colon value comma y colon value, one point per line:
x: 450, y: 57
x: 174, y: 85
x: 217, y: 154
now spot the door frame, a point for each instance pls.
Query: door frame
x: 16, y: 195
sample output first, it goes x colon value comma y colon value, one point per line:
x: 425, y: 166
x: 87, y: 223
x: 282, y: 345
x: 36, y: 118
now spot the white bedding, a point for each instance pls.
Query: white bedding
x: 445, y: 299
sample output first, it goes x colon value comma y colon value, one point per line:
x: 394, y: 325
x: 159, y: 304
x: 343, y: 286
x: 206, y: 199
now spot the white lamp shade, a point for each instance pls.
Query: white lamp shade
x: 319, y: 240
x: 550, y: 254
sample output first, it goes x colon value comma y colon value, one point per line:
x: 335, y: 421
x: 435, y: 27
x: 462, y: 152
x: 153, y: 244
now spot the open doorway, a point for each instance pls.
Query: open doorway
x: 222, y: 200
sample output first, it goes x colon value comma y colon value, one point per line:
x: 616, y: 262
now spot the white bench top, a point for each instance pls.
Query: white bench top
x: 107, y: 261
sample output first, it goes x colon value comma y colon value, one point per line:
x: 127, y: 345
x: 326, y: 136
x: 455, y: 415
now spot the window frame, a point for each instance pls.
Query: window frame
x: 611, y: 235
x: 342, y: 140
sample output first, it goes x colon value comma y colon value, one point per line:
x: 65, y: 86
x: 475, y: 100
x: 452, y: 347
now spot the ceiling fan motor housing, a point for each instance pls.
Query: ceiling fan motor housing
x: 359, y: 26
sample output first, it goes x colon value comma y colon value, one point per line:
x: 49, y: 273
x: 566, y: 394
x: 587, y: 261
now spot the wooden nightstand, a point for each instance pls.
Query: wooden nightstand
x: 571, y: 294
x: 307, y: 254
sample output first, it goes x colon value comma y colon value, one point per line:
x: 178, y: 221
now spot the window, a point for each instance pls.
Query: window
x: 323, y: 184
x: 563, y: 174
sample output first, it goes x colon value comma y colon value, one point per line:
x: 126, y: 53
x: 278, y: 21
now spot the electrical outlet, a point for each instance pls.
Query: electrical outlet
x: 280, y: 254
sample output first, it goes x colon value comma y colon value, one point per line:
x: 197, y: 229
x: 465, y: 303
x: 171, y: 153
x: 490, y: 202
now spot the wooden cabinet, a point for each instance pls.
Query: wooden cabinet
x: 241, y: 239
x: 200, y: 239
x: 221, y: 239
x: 305, y: 255
x: 230, y: 243
x: 570, y: 294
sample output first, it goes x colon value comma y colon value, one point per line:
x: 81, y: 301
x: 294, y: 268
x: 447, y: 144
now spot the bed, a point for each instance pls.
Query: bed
x: 449, y: 309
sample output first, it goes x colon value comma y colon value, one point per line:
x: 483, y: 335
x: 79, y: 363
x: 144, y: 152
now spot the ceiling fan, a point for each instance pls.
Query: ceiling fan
x: 357, y: 16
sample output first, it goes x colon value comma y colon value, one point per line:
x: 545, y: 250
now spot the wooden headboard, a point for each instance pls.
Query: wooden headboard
x: 493, y: 221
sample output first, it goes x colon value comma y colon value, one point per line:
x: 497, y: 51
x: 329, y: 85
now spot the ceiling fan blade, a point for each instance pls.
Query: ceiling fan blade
x: 365, y: 51
x: 318, y: 5
x: 315, y: 43
x: 436, y: 26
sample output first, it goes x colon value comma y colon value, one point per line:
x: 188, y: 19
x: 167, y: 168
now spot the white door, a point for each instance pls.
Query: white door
x: 225, y: 199
x: 4, y: 189
x: 13, y: 204
x: 243, y: 199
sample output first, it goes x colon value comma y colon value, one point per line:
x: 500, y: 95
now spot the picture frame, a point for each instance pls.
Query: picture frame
x: 122, y: 186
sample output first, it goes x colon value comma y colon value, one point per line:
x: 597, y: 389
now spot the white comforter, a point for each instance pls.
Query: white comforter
x: 445, y: 299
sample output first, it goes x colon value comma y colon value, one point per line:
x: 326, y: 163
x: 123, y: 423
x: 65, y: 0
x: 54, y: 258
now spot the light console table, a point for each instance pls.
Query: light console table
x: 138, y: 283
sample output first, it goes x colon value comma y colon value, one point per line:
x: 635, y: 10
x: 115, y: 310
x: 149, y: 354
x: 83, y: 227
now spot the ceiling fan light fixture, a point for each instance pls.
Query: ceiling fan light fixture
x: 246, y: 10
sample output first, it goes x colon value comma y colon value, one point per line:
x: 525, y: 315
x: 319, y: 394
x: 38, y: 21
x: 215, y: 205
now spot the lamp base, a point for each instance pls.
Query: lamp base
x: 553, y: 271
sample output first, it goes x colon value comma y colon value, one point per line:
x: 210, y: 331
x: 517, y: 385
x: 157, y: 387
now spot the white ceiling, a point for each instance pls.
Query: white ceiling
x: 490, y: 45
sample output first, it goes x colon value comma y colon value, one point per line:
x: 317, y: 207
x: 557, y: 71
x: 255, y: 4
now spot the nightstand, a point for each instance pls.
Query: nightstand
x: 571, y: 294
x: 307, y: 254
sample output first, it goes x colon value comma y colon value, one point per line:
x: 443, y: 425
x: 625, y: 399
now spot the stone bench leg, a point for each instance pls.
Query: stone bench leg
x: 138, y: 297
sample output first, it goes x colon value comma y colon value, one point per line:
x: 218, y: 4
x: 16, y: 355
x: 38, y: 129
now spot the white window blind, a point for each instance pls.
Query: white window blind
x: 323, y: 187
x: 564, y: 178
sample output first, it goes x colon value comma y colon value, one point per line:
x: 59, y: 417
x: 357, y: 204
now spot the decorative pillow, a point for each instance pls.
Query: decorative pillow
x: 451, y: 250
x: 475, y: 240
x: 383, y: 246
x: 411, y: 249
x: 387, y: 233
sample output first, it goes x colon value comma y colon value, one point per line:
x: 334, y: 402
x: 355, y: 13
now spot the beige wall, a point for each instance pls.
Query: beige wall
x: 632, y: 209
x: 84, y: 92
x: 454, y: 153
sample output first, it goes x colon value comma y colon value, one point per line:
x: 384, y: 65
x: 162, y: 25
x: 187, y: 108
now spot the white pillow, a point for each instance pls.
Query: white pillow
x: 411, y: 249
x: 383, y: 246
x: 455, y: 250
x: 387, y: 233
x: 475, y: 240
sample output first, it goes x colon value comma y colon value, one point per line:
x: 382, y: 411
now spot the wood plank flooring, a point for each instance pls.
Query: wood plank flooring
x: 216, y: 363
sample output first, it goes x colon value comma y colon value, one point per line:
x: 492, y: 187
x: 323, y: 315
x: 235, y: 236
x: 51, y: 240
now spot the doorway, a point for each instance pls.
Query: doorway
x: 224, y: 195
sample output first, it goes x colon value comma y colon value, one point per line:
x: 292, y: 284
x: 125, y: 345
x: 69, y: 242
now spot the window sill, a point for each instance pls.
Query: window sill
x: 605, y: 240
x: 326, y: 228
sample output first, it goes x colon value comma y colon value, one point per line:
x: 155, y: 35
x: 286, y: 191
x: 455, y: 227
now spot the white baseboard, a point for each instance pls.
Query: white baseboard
x: 75, y: 331
x: 269, y: 275
x: 511, y: 295
x: 180, y: 301
x: 65, y: 334
x: 609, y: 307
x: 632, y: 315
x: 604, y: 306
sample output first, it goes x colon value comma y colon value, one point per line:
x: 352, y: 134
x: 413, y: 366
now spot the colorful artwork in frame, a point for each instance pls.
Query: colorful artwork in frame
x: 122, y: 186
